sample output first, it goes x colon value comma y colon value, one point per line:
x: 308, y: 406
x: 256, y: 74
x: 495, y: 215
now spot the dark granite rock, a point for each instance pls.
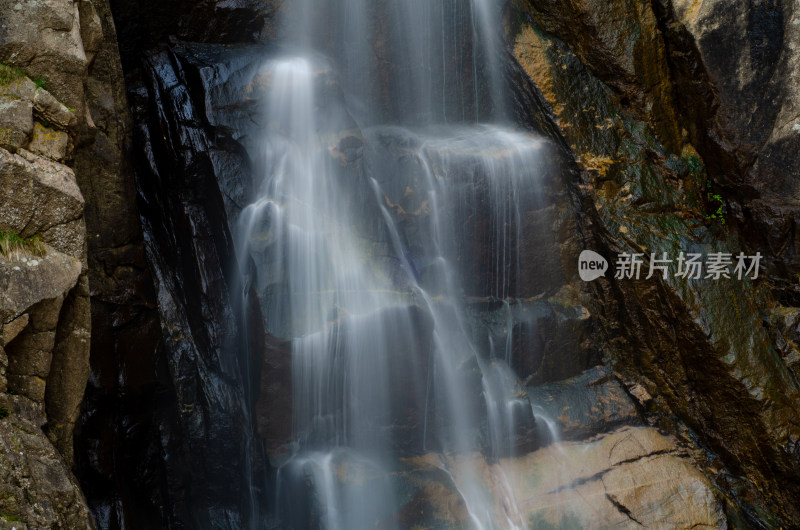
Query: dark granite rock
x: 589, y: 404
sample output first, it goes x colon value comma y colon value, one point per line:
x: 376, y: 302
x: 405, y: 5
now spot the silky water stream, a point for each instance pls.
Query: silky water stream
x: 393, y: 191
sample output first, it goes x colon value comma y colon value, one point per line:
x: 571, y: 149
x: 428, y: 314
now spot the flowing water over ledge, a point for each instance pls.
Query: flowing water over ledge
x: 385, y: 363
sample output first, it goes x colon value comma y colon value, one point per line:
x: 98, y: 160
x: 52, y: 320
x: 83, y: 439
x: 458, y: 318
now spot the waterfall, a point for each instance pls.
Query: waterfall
x: 393, y: 191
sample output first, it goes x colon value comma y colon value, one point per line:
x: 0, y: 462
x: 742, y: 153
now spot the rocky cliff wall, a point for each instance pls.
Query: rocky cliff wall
x: 44, y: 306
x: 76, y: 278
x: 66, y: 126
x: 679, y: 117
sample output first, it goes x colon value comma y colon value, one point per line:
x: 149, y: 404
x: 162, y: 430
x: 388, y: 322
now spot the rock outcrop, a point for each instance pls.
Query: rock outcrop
x: 44, y: 307
x: 672, y: 111
x: 37, y: 489
x: 631, y: 477
x: 583, y: 406
x: 63, y: 133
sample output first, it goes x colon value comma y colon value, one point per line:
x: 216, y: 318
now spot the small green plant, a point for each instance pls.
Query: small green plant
x: 12, y: 243
x: 716, y: 214
x: 4, y: 413
x: 39, y: 82
x: 9, y: 73
x: 11, y: 518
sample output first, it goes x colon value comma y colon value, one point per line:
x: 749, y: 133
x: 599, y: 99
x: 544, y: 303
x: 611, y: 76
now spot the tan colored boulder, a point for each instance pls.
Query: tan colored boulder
x: 16, y: 122
x: 25, y: 281
x: 10, y: 330
x: 37, y: 194
x: 50, y: 109
x: 21, y: 87
x: 30, y: 353
x: 49, y: 143
x: 43, y: 38
x: 68, y: 238
x: 91, y: 29
x: 629, y: 478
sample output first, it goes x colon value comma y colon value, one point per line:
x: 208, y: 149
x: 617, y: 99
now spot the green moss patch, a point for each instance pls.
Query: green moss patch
x: 12, y: 243
x: 9, y: 73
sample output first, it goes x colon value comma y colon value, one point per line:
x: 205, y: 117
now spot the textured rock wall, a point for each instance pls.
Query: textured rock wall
x: 66, y: 183
x: 115, y: 430
x: 44, y: 305
x: 718, y: 357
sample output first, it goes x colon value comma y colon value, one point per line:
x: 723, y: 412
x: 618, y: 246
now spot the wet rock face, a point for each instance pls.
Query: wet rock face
x: 586, y: 405
x: 132, y: 416
x: 687, y: 345
x: 274, y: 407
x: 143, y: 24
x: 205, y: 419
x: 408, y: 359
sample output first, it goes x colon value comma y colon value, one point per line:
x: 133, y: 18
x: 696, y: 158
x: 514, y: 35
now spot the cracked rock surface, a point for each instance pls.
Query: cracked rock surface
x: 628, y: 478
x: 44, y: 292
x: 633, y: 476
x: 37, y: 489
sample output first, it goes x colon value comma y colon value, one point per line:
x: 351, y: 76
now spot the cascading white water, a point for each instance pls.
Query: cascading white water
x: 385, y: 361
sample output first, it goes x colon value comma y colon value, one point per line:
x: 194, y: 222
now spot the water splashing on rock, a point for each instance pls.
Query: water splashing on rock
x: 391, y: 194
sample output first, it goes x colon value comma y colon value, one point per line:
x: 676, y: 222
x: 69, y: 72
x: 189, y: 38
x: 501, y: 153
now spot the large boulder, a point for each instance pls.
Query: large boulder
x: 28, y: 280
x: 43, y: 37
x: 629, y: 477
x: 634, y: 476
x: 38, y: 195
